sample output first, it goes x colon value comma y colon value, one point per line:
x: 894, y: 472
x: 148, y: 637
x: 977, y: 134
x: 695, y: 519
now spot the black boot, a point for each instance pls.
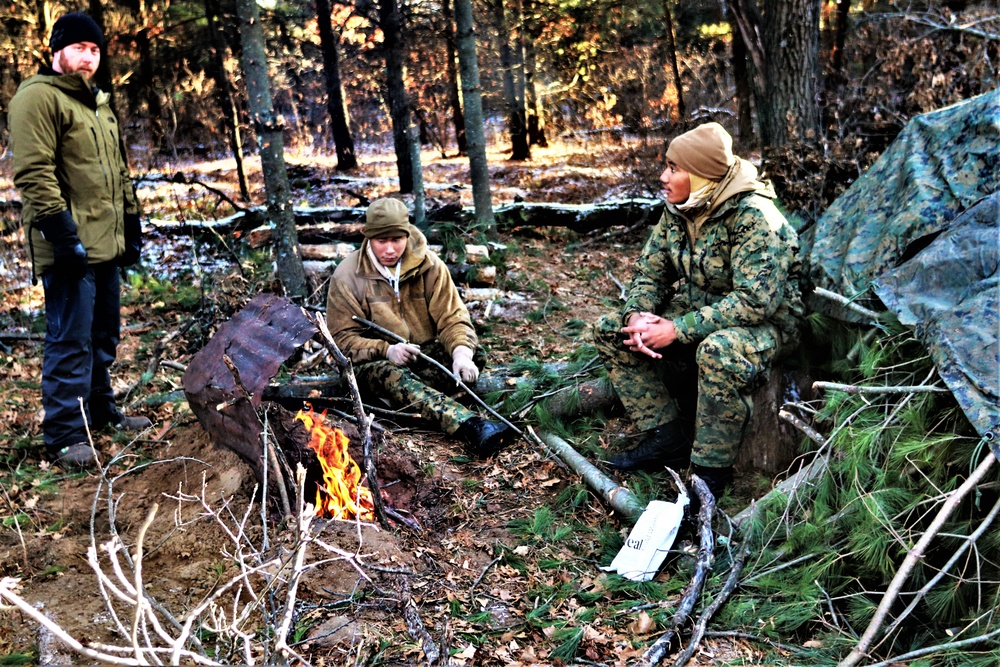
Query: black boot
x: 664, y: 446
x: 484, y: 438
x: 716, y: 479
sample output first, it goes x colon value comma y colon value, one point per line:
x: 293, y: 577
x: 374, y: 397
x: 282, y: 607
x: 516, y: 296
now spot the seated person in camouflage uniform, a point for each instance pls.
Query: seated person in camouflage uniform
x: 714, y: 300
x: 394, y: 281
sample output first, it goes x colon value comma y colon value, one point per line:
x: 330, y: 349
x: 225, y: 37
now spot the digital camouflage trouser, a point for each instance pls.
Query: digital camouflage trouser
x: 419, y: 385
x: 711, y: 379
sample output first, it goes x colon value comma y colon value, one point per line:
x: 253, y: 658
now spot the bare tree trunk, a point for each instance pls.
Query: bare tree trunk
x: 478, y: 168
x: 741, y: 75
x: 272, y: 156
x: 668, y: 24
x: 516, y: 124
x: 225, y: 96
x: 454, y: 92
x: 535, y: 109
x: 335, y: 104
x: 791, y: 51
x: 843, y: 15
x: 783, y: 43
x: 391, y: 22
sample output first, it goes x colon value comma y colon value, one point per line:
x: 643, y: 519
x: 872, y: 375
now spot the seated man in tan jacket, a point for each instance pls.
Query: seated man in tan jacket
x: 394, y: 281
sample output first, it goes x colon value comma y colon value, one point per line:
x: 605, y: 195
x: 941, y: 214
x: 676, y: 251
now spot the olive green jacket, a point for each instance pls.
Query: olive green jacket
x: 67, y: 156
x: 427, y: 306
x: 739, y: 266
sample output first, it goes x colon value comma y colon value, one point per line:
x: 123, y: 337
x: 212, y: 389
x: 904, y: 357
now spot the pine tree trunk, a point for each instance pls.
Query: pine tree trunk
x: 668, y: 24
x: 391, y: 22
x: 790, y: 39
x: 782, y: 41
x: 335, y: 104
x: 454, y: 92
x: 516, y: 123
x: 272, y: 157
x: 475, y: 133
x: 224, y: 95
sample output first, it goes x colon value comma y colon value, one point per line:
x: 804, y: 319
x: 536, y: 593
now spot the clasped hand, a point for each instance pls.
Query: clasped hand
x: 648, y: 332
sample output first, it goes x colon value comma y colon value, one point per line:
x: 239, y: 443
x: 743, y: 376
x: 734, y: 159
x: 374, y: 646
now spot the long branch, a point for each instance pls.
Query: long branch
x: 727, y: 589
x: 910, y: 562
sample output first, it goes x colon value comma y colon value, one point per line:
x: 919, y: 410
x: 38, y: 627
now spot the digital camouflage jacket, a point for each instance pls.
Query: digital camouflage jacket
x: 67, y: 156
x: 738, y: 267
x: 427, y: 307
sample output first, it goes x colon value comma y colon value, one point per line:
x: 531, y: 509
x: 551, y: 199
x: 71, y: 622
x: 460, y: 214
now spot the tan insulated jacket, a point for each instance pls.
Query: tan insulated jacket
x: 428, y: 305
x: 67, y: 156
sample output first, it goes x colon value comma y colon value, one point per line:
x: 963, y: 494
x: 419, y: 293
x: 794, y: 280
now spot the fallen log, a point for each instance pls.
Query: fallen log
x: 581, y: 218
x: 478, y: 275
x: 618, y: 497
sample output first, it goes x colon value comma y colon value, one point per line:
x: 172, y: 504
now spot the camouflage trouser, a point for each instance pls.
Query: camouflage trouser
x: 419, y: 386
x: 712, y: 379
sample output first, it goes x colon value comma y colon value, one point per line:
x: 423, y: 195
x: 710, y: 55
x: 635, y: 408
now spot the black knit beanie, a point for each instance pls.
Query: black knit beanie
x: 73, y: 28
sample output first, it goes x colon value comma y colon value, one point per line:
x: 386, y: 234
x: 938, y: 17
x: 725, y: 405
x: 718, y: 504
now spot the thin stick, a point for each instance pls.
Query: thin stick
x: 286, y: 506
x: 899, y: 659
x: 652, y: 655
x: 968, y: 542
x: 440, y: 366
x: 472, y: 589
x: 846, y: 303
x: 911, y: 560
x: 856, y: 389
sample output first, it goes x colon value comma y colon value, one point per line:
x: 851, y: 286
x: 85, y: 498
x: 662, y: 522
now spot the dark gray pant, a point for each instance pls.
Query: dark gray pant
x: 83, y: 320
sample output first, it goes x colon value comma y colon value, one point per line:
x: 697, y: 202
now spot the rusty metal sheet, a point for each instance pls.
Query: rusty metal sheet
x: 258, y: 339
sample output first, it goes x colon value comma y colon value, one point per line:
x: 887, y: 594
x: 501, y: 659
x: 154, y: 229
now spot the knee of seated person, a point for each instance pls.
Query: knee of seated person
x: 718, y: 351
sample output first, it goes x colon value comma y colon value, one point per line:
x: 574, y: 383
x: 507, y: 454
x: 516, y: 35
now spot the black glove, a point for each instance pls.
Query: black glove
x: 69, y: 255
x: 133, y: 241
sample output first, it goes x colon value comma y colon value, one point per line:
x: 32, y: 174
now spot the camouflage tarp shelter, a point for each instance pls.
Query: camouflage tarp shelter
x: 922, y: 228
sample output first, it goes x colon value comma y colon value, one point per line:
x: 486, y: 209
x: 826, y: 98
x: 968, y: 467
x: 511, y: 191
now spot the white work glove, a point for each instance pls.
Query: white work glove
x: 402, y: 353
x: 462, y: 365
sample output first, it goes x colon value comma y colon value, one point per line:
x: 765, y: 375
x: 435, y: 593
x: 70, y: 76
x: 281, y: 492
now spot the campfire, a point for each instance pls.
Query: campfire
x: 341, y: 495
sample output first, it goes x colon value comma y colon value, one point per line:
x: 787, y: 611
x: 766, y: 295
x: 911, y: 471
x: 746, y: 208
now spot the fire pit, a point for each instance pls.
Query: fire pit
x: 224, y: 384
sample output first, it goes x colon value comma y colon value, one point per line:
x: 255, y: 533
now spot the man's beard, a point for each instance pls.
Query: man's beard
x: 66, y: 68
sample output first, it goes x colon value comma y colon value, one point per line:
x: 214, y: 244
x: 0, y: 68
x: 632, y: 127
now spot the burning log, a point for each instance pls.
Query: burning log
x: 341, y: 496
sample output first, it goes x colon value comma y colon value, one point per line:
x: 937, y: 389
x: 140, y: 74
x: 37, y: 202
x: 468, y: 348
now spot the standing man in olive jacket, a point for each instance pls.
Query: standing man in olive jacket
x: 81, y: 221
x: 394, y: 281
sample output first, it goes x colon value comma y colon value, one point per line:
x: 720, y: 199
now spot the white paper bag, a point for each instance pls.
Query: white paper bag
x: 650, y: 540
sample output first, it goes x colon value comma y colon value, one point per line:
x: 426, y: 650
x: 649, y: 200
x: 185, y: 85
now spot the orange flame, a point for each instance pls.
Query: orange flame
x: 342, y: 496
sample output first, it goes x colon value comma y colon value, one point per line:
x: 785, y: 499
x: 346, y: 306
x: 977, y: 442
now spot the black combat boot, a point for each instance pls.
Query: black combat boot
x: 716, y: 479
x: 666, y: 446
x: 484, y: 438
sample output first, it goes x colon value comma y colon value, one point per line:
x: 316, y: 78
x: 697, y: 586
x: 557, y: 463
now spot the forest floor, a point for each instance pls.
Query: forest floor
x: 506, y: 562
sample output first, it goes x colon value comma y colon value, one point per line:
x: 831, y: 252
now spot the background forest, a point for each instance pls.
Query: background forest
x: 822, y: 87
x: 571, y: 102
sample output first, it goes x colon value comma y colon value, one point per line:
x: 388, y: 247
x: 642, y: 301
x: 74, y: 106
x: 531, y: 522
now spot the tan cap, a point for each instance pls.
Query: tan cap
x: 707, y: 151
x: 386, y: 217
